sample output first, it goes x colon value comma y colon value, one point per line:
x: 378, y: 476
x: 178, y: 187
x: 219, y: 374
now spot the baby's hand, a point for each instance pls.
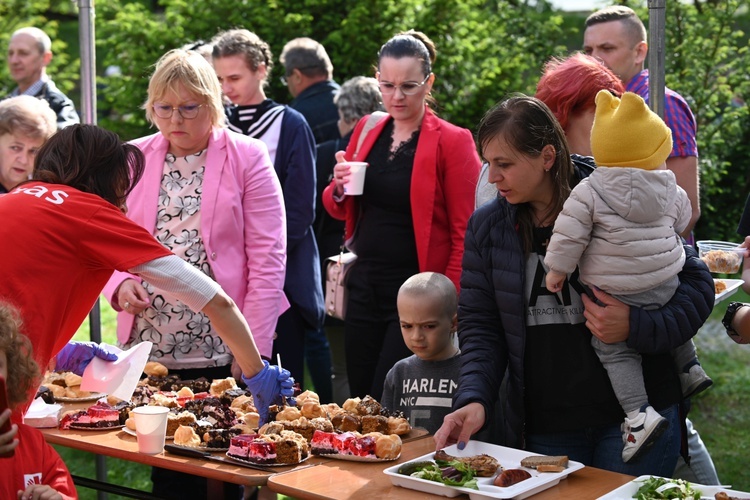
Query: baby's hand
x: 554, y: 281
x: 39, y: 492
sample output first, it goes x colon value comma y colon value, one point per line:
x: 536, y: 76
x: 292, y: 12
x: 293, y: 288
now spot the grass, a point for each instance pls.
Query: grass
x: 721, y: 414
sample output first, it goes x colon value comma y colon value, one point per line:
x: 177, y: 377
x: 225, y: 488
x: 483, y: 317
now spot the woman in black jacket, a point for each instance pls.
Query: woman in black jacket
x: 560, y: 401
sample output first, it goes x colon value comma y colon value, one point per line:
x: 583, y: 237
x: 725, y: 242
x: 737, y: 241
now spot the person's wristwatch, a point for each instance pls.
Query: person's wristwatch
x: 727, y: 321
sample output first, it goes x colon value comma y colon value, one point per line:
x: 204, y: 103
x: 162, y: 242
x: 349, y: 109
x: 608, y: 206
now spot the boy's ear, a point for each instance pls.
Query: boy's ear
x: 454, y: 323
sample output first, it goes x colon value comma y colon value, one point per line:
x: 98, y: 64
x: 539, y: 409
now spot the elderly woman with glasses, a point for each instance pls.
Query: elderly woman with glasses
x: 210, y: 196
x: 418, y: 196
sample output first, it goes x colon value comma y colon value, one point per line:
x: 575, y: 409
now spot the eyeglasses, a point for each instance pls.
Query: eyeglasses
x: 284, y: 80
x: 187, y: 111
x: 407, y: 88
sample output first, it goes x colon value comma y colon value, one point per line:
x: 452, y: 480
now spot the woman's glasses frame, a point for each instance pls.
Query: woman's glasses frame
x: 186, y: 111
x: 406, y: 88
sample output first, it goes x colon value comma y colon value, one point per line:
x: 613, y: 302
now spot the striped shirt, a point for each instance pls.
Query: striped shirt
x: 259, y: 121
x: 677, y: 115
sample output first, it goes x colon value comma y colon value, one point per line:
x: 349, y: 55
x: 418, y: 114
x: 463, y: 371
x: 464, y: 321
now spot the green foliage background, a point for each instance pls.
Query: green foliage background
x: 486, y: 50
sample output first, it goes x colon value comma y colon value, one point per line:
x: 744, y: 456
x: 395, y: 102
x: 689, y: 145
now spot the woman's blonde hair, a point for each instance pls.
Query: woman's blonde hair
x: 23, y: 372
x: 28, y: 116
x: 190, y: 69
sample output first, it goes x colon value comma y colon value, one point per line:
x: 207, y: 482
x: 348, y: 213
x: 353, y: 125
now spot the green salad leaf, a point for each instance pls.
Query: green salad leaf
x: 657, y: 488
x: 453, y: 473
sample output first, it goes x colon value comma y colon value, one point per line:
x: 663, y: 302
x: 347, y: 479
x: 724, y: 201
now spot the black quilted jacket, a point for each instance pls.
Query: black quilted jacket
x: 492, y: 325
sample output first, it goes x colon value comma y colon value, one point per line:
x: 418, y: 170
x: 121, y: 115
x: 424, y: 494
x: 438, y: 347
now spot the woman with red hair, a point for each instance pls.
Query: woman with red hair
x: 568, y: 87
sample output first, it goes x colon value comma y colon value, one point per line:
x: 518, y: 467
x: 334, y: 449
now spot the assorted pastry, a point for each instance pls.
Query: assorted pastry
x: 219, y: 415
x: 61, y: 385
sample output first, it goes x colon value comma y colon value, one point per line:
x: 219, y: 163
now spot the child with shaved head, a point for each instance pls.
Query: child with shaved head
x: 422, y: 385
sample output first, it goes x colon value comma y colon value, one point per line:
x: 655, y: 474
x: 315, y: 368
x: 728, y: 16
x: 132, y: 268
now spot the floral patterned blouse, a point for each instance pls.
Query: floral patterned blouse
x: 182, y: 338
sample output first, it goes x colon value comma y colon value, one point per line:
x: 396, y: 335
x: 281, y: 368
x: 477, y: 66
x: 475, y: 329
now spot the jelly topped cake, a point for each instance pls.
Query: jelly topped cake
x: 322, y: 443
x: 240, y: 445
x: 287, y: 447
x: 98, y: 416
x: 373, y: 445
x: 262, y: 450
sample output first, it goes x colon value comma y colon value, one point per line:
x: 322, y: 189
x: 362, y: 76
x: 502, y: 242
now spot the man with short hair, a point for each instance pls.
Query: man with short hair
x: 617, y: 36
x: 309, y: 77
x: 29, y: 53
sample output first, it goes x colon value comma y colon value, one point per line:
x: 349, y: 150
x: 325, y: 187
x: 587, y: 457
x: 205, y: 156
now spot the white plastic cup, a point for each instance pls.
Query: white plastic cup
x: 356, y: 184
x: 150, y: 428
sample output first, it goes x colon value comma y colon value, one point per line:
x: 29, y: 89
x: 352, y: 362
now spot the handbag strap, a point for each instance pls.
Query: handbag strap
x: 372, y: 120
x: 369, y: 125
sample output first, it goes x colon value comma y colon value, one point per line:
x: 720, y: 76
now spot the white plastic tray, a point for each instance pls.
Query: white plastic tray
x: 509, y: 458
x: 732, y: 287
x: 627, y: 490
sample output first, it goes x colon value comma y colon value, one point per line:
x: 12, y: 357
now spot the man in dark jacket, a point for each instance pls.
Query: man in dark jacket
x: 29, y: 53
x: 309, y: 77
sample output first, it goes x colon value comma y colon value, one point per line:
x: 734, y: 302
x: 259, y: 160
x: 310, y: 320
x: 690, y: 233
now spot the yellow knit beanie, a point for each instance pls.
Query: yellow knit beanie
x: 626, y: 133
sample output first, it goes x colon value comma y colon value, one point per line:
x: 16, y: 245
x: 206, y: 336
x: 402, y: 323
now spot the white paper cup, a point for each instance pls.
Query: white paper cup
x: 356, y: 184
x: 150, y: 428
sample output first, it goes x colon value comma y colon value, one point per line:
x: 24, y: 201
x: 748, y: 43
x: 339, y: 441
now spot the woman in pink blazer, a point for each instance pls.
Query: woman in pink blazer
x: 412, y: 215
x: 212, y: 196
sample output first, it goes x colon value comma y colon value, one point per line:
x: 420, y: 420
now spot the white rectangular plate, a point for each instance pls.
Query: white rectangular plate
x: 732, y: 286
x: 509, y: 458
x: 627, y: 490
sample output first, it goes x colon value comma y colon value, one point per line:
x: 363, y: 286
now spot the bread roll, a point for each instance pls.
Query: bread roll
x: 350, y: 405
x: 398, y: 425
x: 72, y: 379
x: 251, y: 419
x: 288, y: 413
x: 57, y: 391
x: 312, y: 409
x: 307, y: 396
x: 388, y: 447
x: 220, y: 385
x: 155, y: 369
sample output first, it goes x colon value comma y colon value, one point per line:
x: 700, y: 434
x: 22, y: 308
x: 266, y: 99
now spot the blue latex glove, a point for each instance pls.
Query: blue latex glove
x: 269, y: 386
x: 75, y: 356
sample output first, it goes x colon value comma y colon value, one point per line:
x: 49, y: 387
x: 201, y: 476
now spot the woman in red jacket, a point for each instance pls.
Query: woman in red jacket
x: 418, y: 196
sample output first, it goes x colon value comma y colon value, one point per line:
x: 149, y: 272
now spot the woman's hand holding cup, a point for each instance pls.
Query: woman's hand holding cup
x: 349, y: 176
x: 340, y: 173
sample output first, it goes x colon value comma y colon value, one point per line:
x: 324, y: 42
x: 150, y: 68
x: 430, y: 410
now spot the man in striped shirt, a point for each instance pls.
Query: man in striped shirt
x: 617, y: 37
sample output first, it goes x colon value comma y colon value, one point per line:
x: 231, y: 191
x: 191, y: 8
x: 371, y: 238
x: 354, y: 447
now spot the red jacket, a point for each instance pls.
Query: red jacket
x: 444, y: 177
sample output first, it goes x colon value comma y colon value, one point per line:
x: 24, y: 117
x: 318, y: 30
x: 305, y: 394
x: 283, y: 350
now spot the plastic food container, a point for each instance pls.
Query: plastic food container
x: 721, y: 256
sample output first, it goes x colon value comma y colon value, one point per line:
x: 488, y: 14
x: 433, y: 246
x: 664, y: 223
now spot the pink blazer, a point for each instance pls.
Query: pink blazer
x: 443, y: 180
x: 243, y: 225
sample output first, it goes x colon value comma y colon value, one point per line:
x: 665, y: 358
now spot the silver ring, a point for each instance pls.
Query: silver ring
x: 127, y: 304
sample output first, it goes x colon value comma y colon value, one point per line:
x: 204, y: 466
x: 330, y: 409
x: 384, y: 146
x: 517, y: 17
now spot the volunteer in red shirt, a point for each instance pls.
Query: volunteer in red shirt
x: 64, y: 233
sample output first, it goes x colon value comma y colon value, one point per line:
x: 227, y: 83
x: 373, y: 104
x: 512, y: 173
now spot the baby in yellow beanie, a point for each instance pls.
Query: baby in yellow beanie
x: 621, y: 227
